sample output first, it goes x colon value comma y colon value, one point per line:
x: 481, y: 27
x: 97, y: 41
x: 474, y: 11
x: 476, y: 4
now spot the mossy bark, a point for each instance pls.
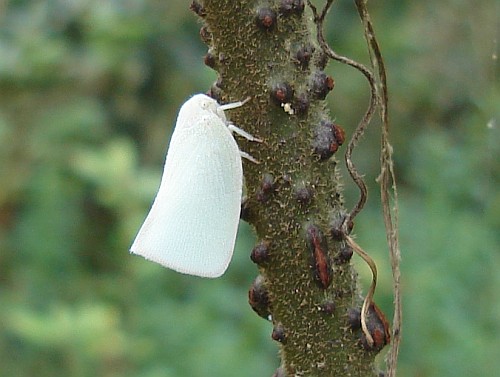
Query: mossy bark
x: 265, y: 50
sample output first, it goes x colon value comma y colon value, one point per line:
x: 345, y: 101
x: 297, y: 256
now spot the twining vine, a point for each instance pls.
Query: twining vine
x: 378, y: 97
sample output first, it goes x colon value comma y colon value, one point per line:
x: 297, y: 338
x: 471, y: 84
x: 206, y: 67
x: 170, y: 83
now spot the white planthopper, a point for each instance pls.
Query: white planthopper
x: 192, y: 225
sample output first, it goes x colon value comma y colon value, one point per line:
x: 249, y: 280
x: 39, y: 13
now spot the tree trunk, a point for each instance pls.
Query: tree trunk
x: 306, y: 285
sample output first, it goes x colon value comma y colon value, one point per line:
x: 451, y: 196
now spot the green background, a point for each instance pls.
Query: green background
x: 89, y: 92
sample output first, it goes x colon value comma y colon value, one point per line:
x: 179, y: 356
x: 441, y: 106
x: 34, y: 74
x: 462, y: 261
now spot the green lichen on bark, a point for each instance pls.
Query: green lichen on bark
x: 257, y: 47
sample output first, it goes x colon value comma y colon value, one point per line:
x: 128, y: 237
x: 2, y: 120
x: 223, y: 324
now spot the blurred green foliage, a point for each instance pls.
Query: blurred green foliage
x: 88, y: 94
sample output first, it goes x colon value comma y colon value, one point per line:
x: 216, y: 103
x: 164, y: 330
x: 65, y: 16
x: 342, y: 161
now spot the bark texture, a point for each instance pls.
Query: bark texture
x: 306, y: 285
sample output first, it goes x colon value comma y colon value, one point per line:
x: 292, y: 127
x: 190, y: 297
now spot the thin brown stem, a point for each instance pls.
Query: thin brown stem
x: 386, y: 180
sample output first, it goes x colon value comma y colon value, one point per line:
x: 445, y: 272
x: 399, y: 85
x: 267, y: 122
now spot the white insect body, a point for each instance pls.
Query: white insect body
x: 192, y: 225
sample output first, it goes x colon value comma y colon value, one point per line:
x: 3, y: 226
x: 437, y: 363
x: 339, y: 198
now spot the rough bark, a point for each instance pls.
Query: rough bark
x: 306, y: 284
